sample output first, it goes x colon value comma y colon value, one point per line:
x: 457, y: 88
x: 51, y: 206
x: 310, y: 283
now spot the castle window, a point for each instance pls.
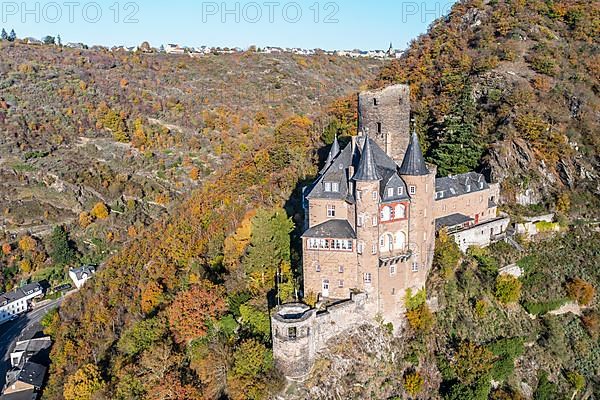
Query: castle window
x: 481, y: 199
x: 374, y: 220
x: 412, y: 189
x: 400, y: 240
x: 415, y: 267
x: 330, y: 210
x: 341, y: 269
x: 392, y: 270
x: 341, y: 283
x: 328, y: 186
x: 374, y: 250
x: 360, y: 247
x: 359, y: 220
x: 367, y: 277
x: 292, y: 333
x: 400, y: 211
x: 379, y: 129
x: 393, y: 290
x: 400, y: 190
x: 317, y: 267
x: 374, y: 195
x: 335, y: 187
x: 390, y: 192
x: 375, y: 102
x: 386, y: 213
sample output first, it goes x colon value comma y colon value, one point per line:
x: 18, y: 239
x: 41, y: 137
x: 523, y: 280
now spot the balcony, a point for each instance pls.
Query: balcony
x: 394, y: 257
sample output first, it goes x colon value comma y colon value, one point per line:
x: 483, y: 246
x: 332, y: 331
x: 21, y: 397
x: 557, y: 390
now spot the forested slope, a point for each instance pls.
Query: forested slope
x: 511, y: 87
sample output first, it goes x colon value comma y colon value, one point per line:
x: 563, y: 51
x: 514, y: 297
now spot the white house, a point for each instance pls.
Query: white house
x: 18, y: 301
x: 80, y: 275
x: 174, y: 49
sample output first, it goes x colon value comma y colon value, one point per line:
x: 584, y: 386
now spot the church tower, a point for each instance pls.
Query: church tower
x: 420, y: 180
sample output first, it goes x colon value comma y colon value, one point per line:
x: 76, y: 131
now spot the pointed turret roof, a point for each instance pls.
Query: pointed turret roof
x: 413, y: 163
x: 367, y: 168
x: 333, y: 153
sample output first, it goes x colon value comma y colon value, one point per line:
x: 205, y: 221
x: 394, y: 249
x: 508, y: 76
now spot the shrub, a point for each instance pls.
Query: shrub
x: 508, y: 289
x: 27, y: 243
x: 576, y: 380
x: 413, y: 383
x: 412, y: 302
x: 546, y: 390
x: 100, y: 211
x: 591, y: 321
x: 420, y: 318
x: 471, y: 362
x: 544, y: 307
x: 581, y: 291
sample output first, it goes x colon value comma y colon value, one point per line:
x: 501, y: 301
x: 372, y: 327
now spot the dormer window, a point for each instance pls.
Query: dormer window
x: 335, y: 187
x: 468, y: 188
x: 400, y: 191
x: 480, y: 185
x: 390, y: 192
x: 439, y: 195
x: 328, y: 186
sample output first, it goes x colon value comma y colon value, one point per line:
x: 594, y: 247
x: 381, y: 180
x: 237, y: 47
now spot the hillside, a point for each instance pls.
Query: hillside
x: 132, y: 134
x: 182, y: 311
x: 511, y: 88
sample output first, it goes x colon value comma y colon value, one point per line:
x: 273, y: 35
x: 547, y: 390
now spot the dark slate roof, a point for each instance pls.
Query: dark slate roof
x: 367, y: 167
x: 413, y: 163
x: 333, y: 228
x: 339, y: 171
x: 19, y: 293
x: 33, y: 374
x: 88, y: 270
x: 333, y: 153
x: 393, y: 181
x: 28, y: 394
x: 452, y: 220
x: 458, y: 185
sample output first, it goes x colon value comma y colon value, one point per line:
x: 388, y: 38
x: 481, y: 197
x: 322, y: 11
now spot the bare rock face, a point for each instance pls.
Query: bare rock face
x: 365, y: 362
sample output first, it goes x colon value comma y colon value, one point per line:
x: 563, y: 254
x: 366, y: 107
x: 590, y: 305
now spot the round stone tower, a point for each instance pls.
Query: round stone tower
x: 293, y: 329
x: 420, y: 181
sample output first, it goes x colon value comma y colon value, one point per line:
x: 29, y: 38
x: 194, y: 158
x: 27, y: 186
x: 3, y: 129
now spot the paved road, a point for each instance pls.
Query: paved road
x: 23, y: 328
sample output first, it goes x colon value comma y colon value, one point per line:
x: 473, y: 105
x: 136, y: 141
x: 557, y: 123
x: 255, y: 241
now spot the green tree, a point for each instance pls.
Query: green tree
x: 12, y: 36
x: 447, y: 253
x: 49, y: 39
x: 458, y: 149
x: 508, y: 289
x: 269, y: 247
x: 256, y: 320
x: 545, y: 390
x: 60, y: 248
x: 141, y: 336
x: 4, y: 35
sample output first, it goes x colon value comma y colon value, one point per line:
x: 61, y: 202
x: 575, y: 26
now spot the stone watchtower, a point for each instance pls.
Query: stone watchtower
x: 385, y: 115
x: 294, y: 345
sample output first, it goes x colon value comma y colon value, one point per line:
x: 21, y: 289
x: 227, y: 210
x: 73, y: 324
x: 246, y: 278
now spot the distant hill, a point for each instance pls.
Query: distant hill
x: 511, y: 87
x: 136, y: 132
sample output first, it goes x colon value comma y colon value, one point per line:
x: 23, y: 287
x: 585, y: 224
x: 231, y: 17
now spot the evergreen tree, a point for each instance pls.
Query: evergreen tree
x: 4, y: 35
x: 13, y: 36
x: 60, y: 248
x: 459, y: 149
x: 49, y: 39
x: 58, y: 40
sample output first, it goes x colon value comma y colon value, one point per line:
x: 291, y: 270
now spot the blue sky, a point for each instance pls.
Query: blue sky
x: 342, y: 24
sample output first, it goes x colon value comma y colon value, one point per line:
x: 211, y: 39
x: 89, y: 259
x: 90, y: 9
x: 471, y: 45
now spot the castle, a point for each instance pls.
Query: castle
x: 372, y: 215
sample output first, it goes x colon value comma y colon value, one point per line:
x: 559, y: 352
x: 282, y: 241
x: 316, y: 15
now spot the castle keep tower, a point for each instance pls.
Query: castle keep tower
x: 385, y: 115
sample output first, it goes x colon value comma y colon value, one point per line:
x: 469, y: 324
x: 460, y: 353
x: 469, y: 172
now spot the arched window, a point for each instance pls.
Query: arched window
x: 400, y: 211
x: 386, y: 213
x: 400, y: 240
x: 386, y: 242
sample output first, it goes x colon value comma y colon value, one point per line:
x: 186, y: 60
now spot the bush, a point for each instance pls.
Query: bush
x: 508, y: 289
x: 100, y: 211
x: 546, y: 390
x: 413, y: 383
x: 544, y: 307
x: 472, y: 362
x: 581, y: 291
x: 420, y: 318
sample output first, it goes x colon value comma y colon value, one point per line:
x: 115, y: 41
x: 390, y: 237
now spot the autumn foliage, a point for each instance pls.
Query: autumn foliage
x: 192, y: 311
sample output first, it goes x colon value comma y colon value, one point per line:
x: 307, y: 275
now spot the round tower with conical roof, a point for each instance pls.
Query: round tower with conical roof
x: 420, y: 181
